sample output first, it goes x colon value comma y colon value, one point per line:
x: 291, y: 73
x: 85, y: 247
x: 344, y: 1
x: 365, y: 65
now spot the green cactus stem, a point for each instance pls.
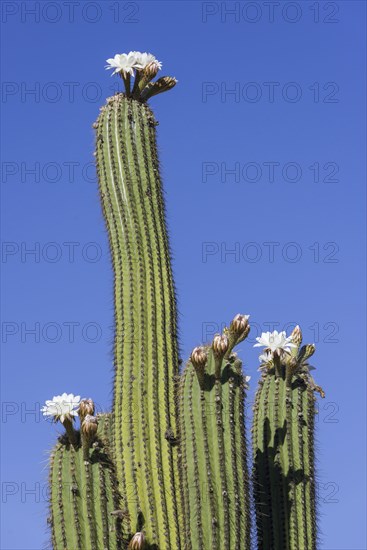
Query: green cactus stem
x: 85, y: 505
x: 283, y: 452
x: 146, y: 351
x: 215, y: 480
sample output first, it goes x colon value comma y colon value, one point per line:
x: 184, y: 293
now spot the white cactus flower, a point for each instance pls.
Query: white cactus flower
x: 247, y: 380
x: 273, y: 341
x: 62, y: 407
x: 122, y: 63
x: 266, y: 357
x: 144, y: 59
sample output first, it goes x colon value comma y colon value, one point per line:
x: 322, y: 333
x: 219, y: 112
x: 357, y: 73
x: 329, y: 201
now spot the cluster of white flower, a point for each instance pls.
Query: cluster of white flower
x: 126, y: 63
x: 62, y: 407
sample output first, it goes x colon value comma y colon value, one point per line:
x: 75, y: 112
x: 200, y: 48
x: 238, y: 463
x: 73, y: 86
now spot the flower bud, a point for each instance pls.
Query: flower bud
x: 296, y: 336
x: 239, y: 323
x: 220, y: 345
x: 161, y: 85
x: 167, y: 82
x: 306, y: 352
x: 86, y: 407
x: 89, y: 426
x: 198, y: 357
x: 137, y: 542
x: 151, y: 70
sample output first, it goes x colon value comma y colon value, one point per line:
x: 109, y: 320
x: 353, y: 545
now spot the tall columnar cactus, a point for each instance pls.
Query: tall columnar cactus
x: 146, y: 356
x: 214, y: 451
x: 167, y: 469
x: 283, y: 447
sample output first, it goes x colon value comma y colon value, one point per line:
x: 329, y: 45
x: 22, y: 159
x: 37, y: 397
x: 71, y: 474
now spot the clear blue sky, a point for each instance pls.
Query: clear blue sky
x: 293, y: 212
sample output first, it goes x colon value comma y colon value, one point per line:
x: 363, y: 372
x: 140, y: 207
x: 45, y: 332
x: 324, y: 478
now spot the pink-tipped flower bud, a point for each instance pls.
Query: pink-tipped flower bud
x: 239, y: 327
x: 199, y: 357
x: 167, y: 82
x: 220, y: 344
x: 151, y: 70
x: 137, y: 542
x: 89, y: 426
x: 240, y: 322
x: 296, y: 336
x: 86, y: 406
x: 306, y: 352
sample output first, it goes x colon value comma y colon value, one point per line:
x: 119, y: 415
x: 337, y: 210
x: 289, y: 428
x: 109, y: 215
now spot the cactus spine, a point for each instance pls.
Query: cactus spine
x: 146, y: 357
x: 283, y: 453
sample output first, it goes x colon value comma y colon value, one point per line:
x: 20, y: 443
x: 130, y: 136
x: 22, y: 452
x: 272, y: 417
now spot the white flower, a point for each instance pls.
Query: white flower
x: 122, y: 63
x: 266, y: 357
x: 144, y: 59
x: 126, y: 62
x: 265, y: 360
x: 275, y: 340
x: 247, y: 380
x: 62, y: 406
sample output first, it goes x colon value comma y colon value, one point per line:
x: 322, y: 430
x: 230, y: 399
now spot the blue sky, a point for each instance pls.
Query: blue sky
x: 274, y: 94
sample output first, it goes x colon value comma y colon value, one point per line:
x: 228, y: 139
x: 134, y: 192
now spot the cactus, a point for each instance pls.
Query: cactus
x: 85, y: 495
x: 283, y: 450
x: 146, y: 355
x: 167, y: 468
x: 216, y: 485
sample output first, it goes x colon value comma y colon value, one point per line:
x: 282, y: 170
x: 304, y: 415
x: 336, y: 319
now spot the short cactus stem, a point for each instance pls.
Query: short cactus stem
x: 215, y: 477
x: 83, y: 497
x: 283, y: 452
